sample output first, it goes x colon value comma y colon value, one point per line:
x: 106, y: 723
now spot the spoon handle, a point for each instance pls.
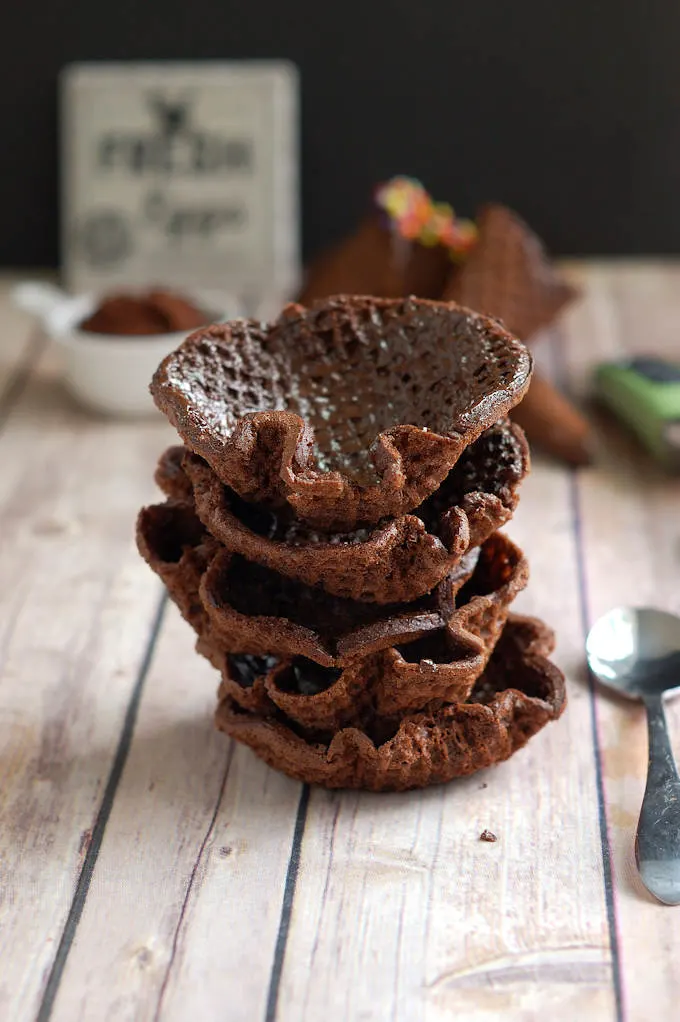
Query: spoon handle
x: 657, y: 846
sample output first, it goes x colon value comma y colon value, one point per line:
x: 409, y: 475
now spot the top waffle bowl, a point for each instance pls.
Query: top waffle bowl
x: 349, y: 411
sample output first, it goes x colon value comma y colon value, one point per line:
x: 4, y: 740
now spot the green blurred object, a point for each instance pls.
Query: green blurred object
x: 645, y: 394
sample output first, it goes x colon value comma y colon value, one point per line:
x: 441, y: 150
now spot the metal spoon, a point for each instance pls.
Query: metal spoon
x: 637, y: 652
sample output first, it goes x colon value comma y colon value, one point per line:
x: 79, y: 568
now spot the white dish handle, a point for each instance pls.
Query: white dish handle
x: 38, y: 298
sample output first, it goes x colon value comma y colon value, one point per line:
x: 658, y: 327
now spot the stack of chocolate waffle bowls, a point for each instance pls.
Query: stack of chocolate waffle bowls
x: 330, y: 530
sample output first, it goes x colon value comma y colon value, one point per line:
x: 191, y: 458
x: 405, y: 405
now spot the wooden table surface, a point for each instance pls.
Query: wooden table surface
x: 152, y: 870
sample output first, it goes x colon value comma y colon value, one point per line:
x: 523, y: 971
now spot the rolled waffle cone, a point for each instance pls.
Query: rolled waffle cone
x: 369, y: 403
x: 518, y: 694
x: 508, y: 275
x: 553, y: 423
x: 375, y: 260
x: 396, y: 561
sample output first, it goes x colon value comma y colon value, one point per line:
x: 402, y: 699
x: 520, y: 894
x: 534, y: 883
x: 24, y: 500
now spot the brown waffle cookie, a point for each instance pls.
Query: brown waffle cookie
x: 395, y: 561
x: 443, y: 664
x: 351, y: 411
x: 508, y: 274
x: 171, y: 540
x: 518, y: 694
x: 247, y: 608
x: 254, y: 609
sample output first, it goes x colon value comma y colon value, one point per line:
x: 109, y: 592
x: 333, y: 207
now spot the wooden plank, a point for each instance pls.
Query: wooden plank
x: 183, y: 913
x: 630, y: 515
x: 76, y: 609
x: 402, y: 913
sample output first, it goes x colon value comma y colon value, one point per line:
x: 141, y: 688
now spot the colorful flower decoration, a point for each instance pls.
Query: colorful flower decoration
x: 417, y: 217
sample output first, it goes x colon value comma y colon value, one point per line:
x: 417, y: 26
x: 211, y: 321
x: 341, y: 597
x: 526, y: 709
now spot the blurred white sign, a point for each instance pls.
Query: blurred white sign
x: 181, y: 175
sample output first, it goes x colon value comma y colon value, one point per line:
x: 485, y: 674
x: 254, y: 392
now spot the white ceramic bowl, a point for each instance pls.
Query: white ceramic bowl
x: 106, y: 372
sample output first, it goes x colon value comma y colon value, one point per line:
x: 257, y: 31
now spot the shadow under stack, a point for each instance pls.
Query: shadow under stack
x: 331, y: 533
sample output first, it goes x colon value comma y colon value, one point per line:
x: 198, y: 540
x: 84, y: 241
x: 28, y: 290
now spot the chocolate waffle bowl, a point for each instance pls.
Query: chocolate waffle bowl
x: 252, y: 609
x: 519, y: 693
x: 200, y: 577
x: 470, y: 606
x: 349, y: 412
x: 440, y: 667
x: 395, y: 561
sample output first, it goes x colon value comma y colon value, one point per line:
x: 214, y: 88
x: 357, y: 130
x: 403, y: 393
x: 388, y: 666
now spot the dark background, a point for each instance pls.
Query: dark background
x: 570, y: 112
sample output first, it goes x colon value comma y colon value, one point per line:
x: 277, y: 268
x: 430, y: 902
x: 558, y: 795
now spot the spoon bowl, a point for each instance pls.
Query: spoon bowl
x: 636, y: 652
